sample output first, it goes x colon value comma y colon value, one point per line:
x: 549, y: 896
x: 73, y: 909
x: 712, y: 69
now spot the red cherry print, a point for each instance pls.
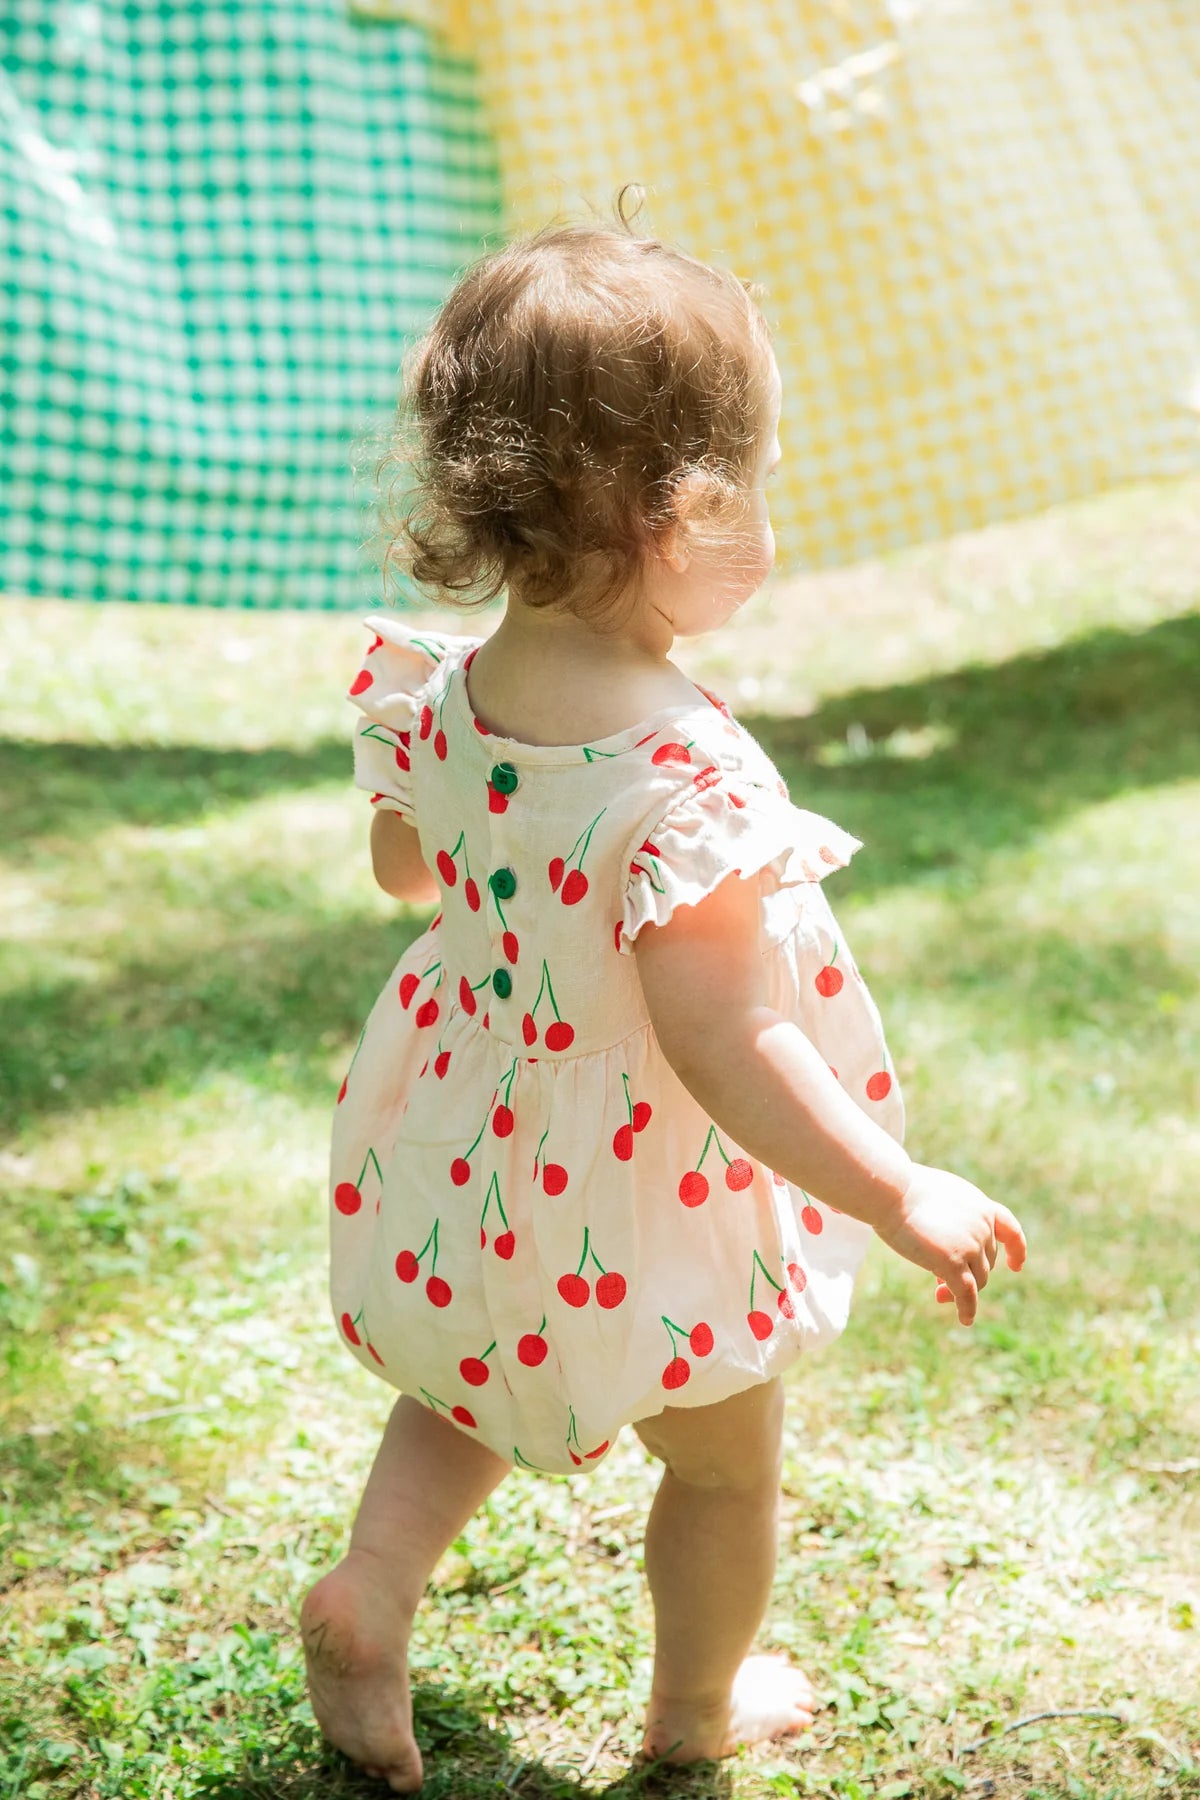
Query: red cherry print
x: 424, y: 1065
x: 560, y: 1035
x: 510, y: 946
x: 833, y: 1072
x: 471, y: 892
x: 474, y: 1370
x: 598, y: 1451
x: 375, y: 1354
x: 497, y: 802
x: 446, y: 868
x: 879, y: 1086
x: 460, y: 1171
x: 811, y: 1220
x: 438, y: 1291
x: 577, y: 1460
x: 760, y: 1323
x: 348, y: 1328
x: 778, y: 1179
x: 693, y: 1188
x: 574, y: 888
x: 342, y: 1089
x: 346, y: 1197
x: 482, y: 1238
x: 529, y: 1029
x: 554, y: 1178
x: 557, y: 866
x: 623, y: 1142
x: 466, y: 998
x: 739, y: 1174
x: 700, y: 1339
x: 610, y: 1290
x: 426, y: 725
x: 706, y: 778
x: 737, y: 800
x: 829, y: 981
x: 361, y: 682
x: 829, y: 856
x: 797, y: 1277
x: 641, y: 1115
x: 574, y: 1289
x: 504, y: 1246
x: 783, y: 1301
x: 487, y: 1020
x: 502, y: 1121
x: 402, y: 758
x: 427, y: 1013
x: 441, y: 1063
x: 439, y: 746
x: 376, y: 644
x: 677, y: 1372
x: 531, y: 1350
x: 407, y: 1266
x: 408, y: 986
x: 671, y: 753
x: 617, y: 936
x: 463, y: 1416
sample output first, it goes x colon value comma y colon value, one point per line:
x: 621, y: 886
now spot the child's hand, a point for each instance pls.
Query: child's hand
x: 946, y: 1225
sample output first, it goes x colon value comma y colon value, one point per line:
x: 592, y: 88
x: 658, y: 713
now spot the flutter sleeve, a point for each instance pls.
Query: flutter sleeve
x: 398, y: 665
x: 728, y: 827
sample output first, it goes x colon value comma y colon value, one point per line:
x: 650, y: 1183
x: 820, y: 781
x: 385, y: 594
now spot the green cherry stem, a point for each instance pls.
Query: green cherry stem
x: 541, y: 990
x: 494, y: 1186
x: 588, y: 838
x: 537, y: 1155
x: 432, y: 651
x: 628, y: 1101
x: 371, y: 1158
x: 522, y: 1463
x: 549, y: 990
x: 712, y: 1136
x: 586, y: 1248
x: 573, y: 1434
x: 761, y: 1265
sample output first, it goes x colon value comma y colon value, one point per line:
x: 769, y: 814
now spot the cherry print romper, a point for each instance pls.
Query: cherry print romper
x: 536, y: 1231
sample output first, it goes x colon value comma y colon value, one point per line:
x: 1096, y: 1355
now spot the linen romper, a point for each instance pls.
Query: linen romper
x: 536, y: 1231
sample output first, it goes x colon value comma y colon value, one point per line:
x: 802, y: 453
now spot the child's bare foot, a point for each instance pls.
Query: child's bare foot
x: 355, y: 1631
x: 770, y: 1699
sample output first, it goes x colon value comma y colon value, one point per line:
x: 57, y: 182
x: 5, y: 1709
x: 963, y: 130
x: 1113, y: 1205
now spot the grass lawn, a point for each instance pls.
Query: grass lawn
x: 980, y: 1527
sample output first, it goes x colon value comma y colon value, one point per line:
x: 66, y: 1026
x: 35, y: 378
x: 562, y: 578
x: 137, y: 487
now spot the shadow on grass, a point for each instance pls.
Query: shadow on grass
x: 53, y: 789
x: 940, y: 774
x: 1011, y: 750
x: 1019, y: 743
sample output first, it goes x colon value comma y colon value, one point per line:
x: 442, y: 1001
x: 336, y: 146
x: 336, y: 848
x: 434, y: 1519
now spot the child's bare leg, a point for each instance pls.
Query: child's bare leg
x: 426, y: 1481
x: 710, y: 1559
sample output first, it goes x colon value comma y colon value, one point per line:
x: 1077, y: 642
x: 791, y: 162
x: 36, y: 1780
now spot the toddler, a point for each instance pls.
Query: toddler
x: 621, y: 1124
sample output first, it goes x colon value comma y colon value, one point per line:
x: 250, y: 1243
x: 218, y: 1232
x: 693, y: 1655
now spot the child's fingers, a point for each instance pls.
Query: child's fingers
x: 966, y: 1297
x: 942, y: 1294
x: 1008, y: 1230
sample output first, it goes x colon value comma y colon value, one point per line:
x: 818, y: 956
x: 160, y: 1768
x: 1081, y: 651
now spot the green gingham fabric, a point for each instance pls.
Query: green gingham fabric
x: 221, y: 225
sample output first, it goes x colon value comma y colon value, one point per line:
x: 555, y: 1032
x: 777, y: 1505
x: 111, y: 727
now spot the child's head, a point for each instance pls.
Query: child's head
x: 589, y: 403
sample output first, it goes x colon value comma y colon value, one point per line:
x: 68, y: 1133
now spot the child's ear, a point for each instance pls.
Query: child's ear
x: 687, y: 500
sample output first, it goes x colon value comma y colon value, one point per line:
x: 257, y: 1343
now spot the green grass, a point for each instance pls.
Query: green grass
x: 978, y: 1527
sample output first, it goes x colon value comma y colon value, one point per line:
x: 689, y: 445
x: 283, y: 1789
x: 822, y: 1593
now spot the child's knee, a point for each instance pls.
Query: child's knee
x: 735, y: 1445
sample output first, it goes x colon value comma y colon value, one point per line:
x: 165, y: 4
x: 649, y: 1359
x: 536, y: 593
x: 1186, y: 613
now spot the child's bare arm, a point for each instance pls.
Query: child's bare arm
x: 758, y: 1076
x: 396, y: 859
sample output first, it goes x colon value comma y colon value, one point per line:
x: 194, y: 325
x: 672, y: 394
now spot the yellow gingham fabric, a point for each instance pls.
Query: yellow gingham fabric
x: 974, y: 224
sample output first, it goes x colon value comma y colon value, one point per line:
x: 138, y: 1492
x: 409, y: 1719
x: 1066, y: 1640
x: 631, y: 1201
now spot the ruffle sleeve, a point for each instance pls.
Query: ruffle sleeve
x: 729, y: 827
x: 398, y: 665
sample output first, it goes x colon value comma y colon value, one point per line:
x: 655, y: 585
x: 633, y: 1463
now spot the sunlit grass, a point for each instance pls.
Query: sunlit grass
x: 978, y: 1526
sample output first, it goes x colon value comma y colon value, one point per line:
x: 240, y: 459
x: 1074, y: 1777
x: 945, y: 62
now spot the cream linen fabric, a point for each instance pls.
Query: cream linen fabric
x: 535, y: 1229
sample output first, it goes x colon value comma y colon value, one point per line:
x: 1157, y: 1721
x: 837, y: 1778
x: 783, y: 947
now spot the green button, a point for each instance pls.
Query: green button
x: 504, y: 778
x: 502, y: 982
x: 504, y: 884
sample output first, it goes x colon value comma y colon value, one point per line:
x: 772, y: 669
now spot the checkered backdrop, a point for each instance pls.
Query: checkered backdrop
x: 976, y: 222
x: 220, y: 224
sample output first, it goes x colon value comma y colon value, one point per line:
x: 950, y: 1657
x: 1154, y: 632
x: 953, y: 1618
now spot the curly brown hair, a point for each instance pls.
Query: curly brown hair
x: 570, y: 382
